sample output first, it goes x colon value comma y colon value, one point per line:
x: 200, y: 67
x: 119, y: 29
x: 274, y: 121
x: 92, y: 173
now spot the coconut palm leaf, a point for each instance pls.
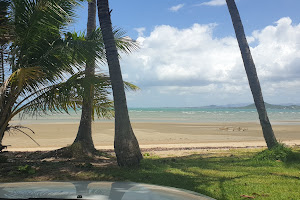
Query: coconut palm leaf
x: 36, y: 51
x: 68, y: 95
x: 41, y: 56
x: 38, y: 41
x: 124, y: 44
x: 5, y: 36
x: 22, y: 81
x: 130, y: 86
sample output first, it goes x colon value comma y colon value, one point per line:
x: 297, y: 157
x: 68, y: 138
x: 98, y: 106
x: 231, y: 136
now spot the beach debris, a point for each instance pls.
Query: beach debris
x: 18, y: 128
x: 254, y: 195
x: 249, y: 197
x: 232, y: 128
x: 2, y: 147
x: 263, y: 195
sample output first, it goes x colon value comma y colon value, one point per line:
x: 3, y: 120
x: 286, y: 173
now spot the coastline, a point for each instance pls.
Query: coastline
x: 157, y: 135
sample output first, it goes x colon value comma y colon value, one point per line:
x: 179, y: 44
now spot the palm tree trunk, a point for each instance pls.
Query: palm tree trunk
x: 5, y: 114
x: 3, y: 127
x: 84, y: 134
x: 2, y: 76
x: 252, y: 75
x: 126, y: 145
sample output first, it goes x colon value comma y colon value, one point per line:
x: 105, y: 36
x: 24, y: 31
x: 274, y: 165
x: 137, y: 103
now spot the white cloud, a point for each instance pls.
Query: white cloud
x: 278, y: 52
x: 191, y: 62
x: 176, y: 8
x: 140, y: 31
x: 172, y: 56
x: 213, y: 3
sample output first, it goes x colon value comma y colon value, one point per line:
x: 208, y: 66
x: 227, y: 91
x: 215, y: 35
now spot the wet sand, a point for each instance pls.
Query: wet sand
x: 156, y: 135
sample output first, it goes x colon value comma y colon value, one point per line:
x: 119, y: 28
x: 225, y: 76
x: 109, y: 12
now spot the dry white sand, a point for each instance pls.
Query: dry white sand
x: 152, y: 135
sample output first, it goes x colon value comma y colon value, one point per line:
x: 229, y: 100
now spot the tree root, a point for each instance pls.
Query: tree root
x: 75, y: 151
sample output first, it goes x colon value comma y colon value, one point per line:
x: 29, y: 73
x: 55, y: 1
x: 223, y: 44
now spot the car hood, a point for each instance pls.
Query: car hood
x: 94, y: 190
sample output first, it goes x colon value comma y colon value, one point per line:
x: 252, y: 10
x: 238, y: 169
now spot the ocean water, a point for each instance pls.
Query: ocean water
x: 180, y: 115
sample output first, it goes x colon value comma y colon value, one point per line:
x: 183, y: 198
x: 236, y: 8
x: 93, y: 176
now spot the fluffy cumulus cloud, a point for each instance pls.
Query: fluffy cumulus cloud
x: 190, y: 62
x: 278, y: 52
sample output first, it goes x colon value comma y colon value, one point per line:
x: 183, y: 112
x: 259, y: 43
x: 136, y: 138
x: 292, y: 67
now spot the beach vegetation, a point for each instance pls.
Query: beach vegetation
x: 280, y: 152
x: 253, y: 80
x: 36, y: 53
x: 220, y: 174
x: 84, y: 133
x: 126, y: 146
x: 26, y: 169
x: 90, y: 91
x: 43, y: 64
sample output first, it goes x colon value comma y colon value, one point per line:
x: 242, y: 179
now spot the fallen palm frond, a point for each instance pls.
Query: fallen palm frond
x: 12, y: 129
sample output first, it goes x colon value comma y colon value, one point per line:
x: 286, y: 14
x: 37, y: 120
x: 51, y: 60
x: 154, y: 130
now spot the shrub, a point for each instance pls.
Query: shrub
x: 279, y: 152
x: 26, y: 169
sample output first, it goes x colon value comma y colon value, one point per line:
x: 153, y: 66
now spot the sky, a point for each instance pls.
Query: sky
x: 189, y: 55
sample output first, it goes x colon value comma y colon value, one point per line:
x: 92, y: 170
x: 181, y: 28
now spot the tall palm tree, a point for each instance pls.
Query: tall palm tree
x: 126, y: 145
x: 252, y: 75
x: 84, y: 134
x: 35, y: 84
x: 31, y: 30
x: 5, y: 35
x: 39, y: 57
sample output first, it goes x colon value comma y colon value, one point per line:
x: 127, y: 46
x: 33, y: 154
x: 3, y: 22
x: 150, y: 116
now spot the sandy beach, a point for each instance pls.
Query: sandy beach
x: 153, y: 135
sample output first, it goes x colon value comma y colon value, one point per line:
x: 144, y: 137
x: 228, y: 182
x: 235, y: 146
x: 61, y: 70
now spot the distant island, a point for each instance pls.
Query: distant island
x: 271, y: 106
x: 252, y: 106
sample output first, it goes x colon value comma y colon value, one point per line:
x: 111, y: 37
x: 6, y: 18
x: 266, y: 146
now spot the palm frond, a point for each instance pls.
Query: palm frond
x: 124, y: 43
x: 130, y: 86
x: 68, y: 95
x: 18, y: 128
x: 38, y: 41
x: 25, y: 80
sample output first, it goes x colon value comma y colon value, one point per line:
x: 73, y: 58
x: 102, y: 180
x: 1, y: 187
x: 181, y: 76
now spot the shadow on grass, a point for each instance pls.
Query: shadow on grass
x: 220, y: 177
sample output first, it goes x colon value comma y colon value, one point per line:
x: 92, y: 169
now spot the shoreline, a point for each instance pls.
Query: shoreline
x: 154, y: 135
x: 40, y: 122
x: 177, y: 147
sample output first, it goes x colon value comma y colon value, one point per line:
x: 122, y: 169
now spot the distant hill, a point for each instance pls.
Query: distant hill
x: 271, y: 106
x: 252, y: 106
x: 212, y: 106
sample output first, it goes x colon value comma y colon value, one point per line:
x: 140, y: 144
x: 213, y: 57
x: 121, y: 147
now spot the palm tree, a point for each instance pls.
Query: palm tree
x: 38, y: 55
x: 126, y: 145
x: 19, y: 83
x: 35, y: 85
x: 84, y: 134
x: 84, y: 139
x: 252, y: 75
x: 5, y: 36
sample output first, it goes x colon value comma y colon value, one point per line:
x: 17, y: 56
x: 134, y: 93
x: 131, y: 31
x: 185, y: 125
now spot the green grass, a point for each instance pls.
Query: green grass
x: 279, y: 152
x: 221, y: 175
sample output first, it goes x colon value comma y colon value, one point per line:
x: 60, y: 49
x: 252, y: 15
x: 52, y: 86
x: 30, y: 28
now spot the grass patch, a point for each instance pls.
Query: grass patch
x: 235, y: 174
x: 280, y: 153
x: 26, y: 169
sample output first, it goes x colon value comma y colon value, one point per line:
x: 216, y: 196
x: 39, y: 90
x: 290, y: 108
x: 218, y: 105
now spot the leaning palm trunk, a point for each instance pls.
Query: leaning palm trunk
x: 252, y: 75
x: 84, y: 134
x: 126, y: 145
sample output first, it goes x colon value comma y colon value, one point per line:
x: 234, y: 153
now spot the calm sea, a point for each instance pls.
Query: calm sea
x: 182, y: 115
